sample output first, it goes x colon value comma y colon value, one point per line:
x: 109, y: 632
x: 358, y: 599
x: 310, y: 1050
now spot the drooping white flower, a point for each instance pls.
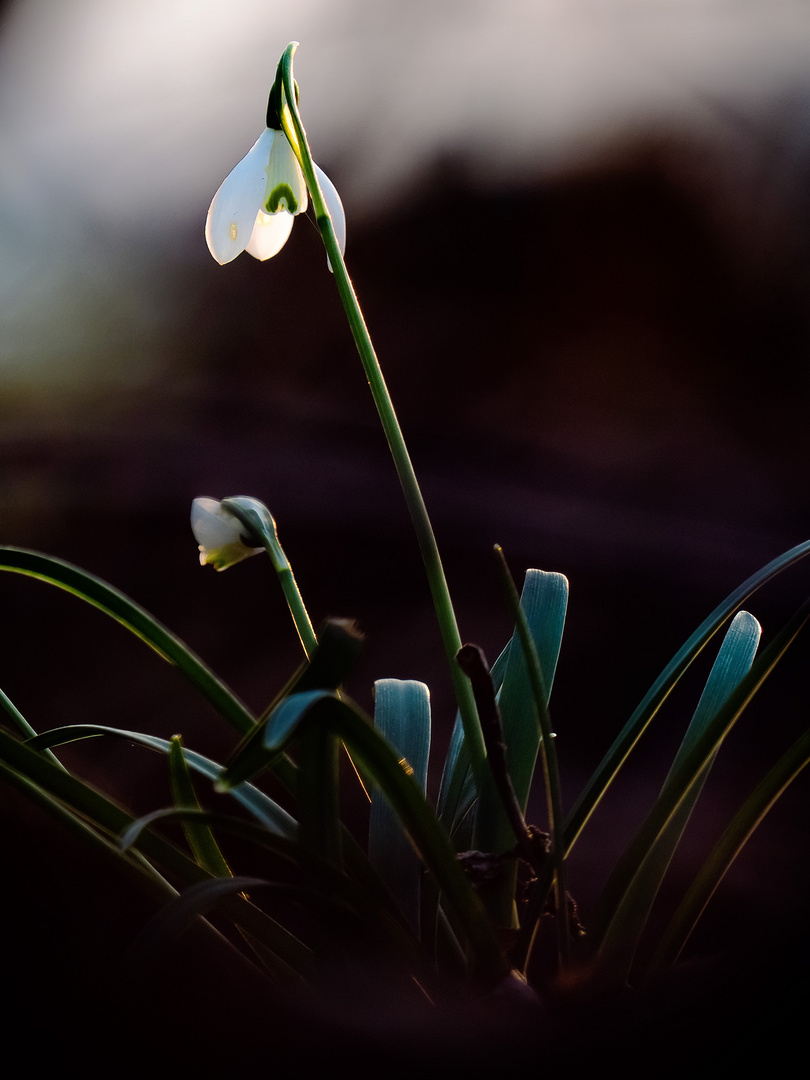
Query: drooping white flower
x: 219, y: 534
x: 253, y: 209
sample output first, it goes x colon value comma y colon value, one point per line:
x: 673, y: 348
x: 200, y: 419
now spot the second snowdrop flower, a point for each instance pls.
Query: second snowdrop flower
x: 220, y: 534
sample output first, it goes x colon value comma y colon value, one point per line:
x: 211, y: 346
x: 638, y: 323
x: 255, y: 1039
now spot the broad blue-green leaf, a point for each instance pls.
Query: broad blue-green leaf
x: 544, y: 601
x: 547, y: 749
x: 733, y: 662
x: 402, y: 716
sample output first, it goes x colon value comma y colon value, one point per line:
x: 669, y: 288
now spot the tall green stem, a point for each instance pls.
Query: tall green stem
x: 294, y: 129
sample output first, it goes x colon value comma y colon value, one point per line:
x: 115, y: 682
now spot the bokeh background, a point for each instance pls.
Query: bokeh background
x: 580, y: 232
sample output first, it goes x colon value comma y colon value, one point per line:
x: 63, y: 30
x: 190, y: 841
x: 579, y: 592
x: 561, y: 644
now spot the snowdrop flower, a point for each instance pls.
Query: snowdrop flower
x: 253, y: 209
x: 219, y: 533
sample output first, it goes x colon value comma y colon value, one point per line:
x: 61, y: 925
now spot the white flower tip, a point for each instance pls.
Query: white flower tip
x: 223, y: 253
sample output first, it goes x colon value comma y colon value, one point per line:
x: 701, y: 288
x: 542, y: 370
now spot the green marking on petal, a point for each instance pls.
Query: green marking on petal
x: 281, y: 198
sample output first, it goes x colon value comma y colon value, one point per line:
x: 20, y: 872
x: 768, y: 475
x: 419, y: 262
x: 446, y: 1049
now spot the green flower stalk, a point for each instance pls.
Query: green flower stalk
x: 247, y: 195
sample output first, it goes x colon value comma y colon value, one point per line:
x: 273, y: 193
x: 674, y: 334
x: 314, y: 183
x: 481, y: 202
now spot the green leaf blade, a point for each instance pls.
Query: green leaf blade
x: 136, y: 619
x: 199, y: 835
x: 734, y: 838
x: 650, y: 704
x: 261, y: 806
x: 734, y: 660
x: 689, y: 771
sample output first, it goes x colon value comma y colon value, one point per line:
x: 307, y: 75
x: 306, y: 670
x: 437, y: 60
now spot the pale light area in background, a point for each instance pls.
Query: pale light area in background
x: 119, y: 119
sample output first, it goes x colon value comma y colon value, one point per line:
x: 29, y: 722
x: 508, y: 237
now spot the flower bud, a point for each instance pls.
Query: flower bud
x: 219, y: 534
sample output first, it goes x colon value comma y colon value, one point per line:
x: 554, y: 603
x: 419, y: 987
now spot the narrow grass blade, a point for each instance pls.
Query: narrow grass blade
x: 687, y: 773
x: 635, y: 727
x: 136, y: 619
x: 23, y: 726
x: 289, y: 957
x: 75, y: 823
x: 729, y: 846
x: 261, y: 806
x: 328, y: 895
x: 80, y: 798
x: 363, y: 893
x: 199, y: 836
x: 179, y: 914
x: 734, y: 660
x: 402, y: 716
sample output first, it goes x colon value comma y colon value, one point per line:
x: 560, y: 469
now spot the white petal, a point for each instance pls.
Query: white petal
x: 233, y: 209
x: 270, y: 234
x: 283, y: 172
x: 212, y: 526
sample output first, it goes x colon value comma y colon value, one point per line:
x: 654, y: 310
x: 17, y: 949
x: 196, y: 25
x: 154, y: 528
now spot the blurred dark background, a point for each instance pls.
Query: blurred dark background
x: 580, y: 237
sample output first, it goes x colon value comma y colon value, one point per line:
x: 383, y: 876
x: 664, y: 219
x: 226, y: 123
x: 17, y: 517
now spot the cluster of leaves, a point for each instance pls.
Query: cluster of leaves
x: 434, y: 888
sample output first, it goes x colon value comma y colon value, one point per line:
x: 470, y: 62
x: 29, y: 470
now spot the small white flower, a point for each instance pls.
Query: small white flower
x: 219, y: 534
x: 254, y: 207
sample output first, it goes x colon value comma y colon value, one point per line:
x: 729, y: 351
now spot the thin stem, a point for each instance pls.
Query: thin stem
x: 320, y: 753
x: 532, y: 845
x: 260, y: 528
x: 318, y: 764
x: 294, y: 129
x: 292, y: 594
